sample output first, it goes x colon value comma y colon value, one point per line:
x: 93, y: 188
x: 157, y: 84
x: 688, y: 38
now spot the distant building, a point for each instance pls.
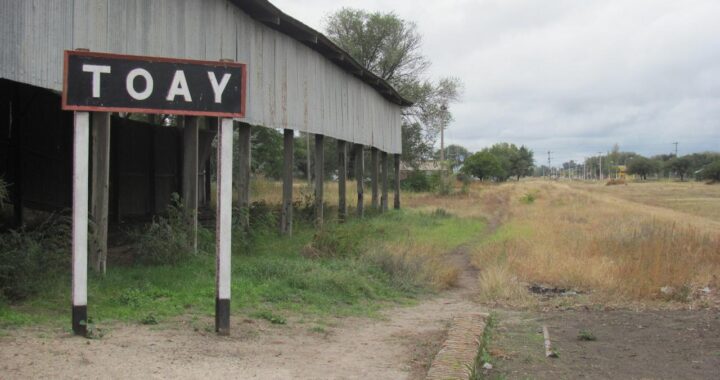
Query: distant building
x: 428, y: 167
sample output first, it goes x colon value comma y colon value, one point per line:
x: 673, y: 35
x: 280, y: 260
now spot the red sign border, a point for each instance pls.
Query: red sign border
x: 243, y: 90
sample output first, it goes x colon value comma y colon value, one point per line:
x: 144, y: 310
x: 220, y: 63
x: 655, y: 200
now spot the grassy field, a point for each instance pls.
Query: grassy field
x: 695, y: 198
x: 578, y: 237
x: 613, y: 244
x: 353, y: 268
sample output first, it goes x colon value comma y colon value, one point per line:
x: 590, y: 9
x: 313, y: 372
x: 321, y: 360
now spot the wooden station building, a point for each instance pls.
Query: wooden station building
x: 297, y: 80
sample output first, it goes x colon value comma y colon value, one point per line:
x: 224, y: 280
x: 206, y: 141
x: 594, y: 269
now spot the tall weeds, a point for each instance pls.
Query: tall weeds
x: 30, y: 256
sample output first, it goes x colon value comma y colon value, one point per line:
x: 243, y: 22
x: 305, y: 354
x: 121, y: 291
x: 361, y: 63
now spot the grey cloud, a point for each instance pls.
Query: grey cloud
x: 566, y: 75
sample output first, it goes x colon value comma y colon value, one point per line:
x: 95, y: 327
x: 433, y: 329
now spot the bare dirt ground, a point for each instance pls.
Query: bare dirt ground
x: 628, y: 345
x: 399, y: 345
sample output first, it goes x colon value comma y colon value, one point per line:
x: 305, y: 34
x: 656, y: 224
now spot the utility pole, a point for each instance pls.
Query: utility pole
x: 676, y: 144
x: 600, y: 164
x: 550, y: 163
x: 442, y: 142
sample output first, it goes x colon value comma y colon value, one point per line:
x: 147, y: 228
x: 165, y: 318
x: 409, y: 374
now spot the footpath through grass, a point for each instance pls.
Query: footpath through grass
x: 346, y: 269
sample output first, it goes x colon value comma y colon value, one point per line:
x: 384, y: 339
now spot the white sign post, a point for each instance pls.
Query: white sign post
x: 223, y: 226
x: 81, y: 136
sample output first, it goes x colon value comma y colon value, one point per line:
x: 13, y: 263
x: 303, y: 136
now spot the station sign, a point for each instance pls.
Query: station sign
x: 124, y: 83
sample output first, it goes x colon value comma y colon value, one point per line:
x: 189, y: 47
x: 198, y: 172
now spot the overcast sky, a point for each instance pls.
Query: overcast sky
x: 570, y: 76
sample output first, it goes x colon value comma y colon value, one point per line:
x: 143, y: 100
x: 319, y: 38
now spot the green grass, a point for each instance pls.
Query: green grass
x: 270, y: 276
x: 483, y: 353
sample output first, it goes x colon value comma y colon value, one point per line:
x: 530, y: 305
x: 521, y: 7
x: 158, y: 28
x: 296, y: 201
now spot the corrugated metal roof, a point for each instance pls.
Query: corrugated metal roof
x: 274, y: 18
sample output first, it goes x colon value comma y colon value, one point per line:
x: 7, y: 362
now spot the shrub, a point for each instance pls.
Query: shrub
x: 304, y: 209
x: 167, y: 240
x: 4, y: 198
x: 417, y: 181
x: 28, y: 256
x: 528, y: 198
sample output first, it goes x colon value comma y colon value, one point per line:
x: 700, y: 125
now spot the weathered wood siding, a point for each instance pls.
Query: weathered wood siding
x: 289, y: 85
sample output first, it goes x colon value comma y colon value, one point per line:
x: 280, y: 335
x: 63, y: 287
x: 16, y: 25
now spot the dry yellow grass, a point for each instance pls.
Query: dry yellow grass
x: 695, y: 198
x: 573, y: 239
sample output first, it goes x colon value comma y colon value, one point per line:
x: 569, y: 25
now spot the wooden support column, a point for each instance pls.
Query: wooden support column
x: 223, y: 226
x: 242, y: 175
x: 100, y: 132
x: 359, y: 175
x: 319, y: 179
x: 80, y: 222
x: 374, y: 176
x: 286, y: 217
x: 190, y: 169
x: 342, y: 179
x: 384, y: 198
x: 396, y: 203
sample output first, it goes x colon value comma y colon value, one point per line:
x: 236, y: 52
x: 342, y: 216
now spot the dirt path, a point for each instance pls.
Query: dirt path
x: 399, y: 345
x: 357, y: 348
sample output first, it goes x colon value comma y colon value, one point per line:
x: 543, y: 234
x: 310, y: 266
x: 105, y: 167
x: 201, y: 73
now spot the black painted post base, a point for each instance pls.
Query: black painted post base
x: 222, y: 316
x: 79, y: 320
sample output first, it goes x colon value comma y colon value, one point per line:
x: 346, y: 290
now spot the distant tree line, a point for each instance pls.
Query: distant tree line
x: 701, y: 166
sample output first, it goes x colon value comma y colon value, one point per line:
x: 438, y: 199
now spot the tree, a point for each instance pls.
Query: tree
x: 390, y: 47
x: 483, y: 165
x: 711, y: 171
x: 642, y: 166
x: 454, y: 154
x: 267, y: 152
x: 415, y: 148
x: 679, y: 165
x: 521, y: 162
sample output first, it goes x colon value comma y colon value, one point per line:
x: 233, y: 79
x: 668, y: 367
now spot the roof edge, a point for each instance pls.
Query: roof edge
x: 268, y: 14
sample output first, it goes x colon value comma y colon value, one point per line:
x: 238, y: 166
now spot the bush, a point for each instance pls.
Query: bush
x: 29, y: 256
x: 417, y: 181
x: 167, y: 240
x: 4, y: 198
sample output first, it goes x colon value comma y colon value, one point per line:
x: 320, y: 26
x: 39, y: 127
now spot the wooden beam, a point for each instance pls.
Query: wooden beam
x: 342, y: 178
x: 286, y: 217
x: 100, y: 132
x: 319, y: 179
x: 359, y: 175
x: 374, y: 176
x: 190, y: 171
x: 17, y: 190
x: 396, y: 203
x: 242, y: 175
x: 384, y: 199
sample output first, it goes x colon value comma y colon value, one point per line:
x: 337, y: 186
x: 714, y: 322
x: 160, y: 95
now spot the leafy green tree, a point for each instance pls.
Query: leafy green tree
x: 521, y: 162
x: 643, y: 167
x: 483, y: 165
x: 415, y: 148
x: 455, y: 155
x: 267, y: 152
x: 679, y: 165
x: 711, y: 171
x: 390, y: 47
